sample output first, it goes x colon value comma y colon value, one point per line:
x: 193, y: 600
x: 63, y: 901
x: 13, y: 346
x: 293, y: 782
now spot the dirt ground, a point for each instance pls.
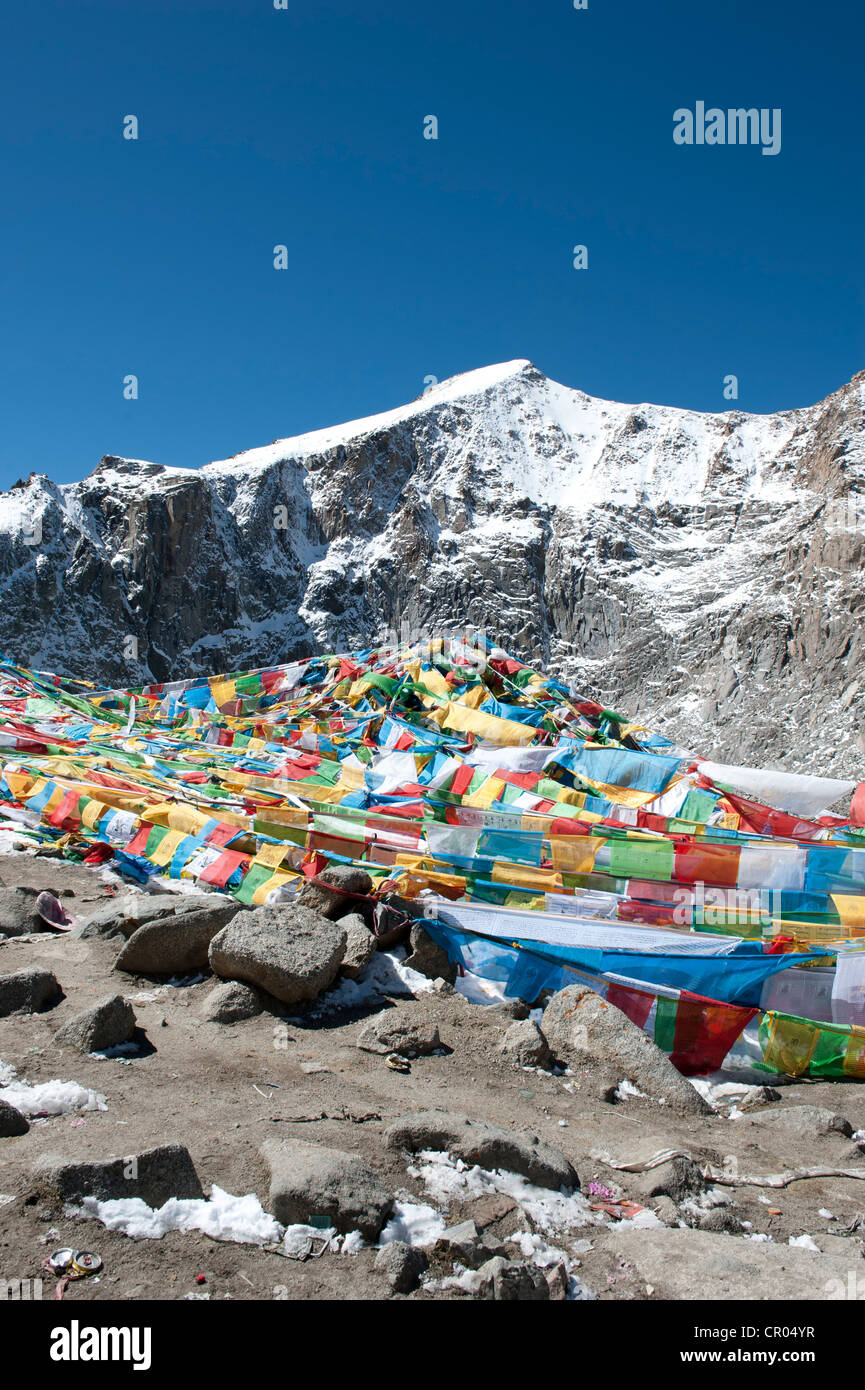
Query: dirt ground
x: 198, y: 1086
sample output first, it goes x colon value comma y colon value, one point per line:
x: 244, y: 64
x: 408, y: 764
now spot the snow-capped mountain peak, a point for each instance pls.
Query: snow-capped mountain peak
x: 695, y: 568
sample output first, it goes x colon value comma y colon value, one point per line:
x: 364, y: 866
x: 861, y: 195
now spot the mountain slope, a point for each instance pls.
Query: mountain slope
x: 702, y: 572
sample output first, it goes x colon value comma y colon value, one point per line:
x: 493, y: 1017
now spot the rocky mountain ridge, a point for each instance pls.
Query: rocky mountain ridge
x: 700, y: 572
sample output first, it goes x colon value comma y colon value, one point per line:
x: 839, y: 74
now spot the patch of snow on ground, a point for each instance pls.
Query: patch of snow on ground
x: 725, y: 1097
x: 415, y: 1223
x: 48, y: 1097
x: 223, y: 1217
x: 385, y: 975
x: 627, y: 1088
x: 478, y: 991
x: 712, y: 1197
x: 645, y: 1219
x: 446, y: 1178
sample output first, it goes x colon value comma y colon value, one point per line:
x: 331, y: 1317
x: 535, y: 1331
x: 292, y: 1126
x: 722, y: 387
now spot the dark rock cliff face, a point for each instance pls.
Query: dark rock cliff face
x: 702, y: 572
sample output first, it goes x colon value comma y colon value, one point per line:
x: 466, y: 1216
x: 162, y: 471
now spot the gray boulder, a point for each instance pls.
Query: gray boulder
x: 177, y: 943
x: 525, y: 1045
x: 490, y: 1147
x: 27, y: 991
x: 401, y: 1264
x: 106, y: 1024
x: 507, y: 1281
x: 12, y: 1122
x: 384, y: 1034
x: 231, y: 1002
x: 154, y: 1175
x: 310, y: 1180
x: 360, y: 946
x: 427, y: 957
x: 333, y: 904
x: 290, y: 952
x: 583, y: 1029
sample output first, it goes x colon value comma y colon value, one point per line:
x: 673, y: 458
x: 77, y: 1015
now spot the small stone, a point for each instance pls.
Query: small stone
x: 106, y: 1024
x: 360, y: 946
x: 665, y: 1209
x: 808, y: 1120
x: 327, y: 903
x: 231, y: 1002
x: 401, y: 1264
x: 507, y: 1008
x: 679, y: 1179
x: 464, y: 1244
x: 12, y: 1122
x: 406, y: 1038
x: 27, y: 991
x: 427, y: 957
x: 525, y: 1045
x: 17, y: 914
x: 507, y: 1281
x: 558, y: 1282
x: 722, y: 1220
x: 759, y: 1096
x: 495, y: 1206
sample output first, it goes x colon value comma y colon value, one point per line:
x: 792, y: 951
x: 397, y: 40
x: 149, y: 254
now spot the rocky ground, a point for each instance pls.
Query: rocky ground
x: 301, y: 1104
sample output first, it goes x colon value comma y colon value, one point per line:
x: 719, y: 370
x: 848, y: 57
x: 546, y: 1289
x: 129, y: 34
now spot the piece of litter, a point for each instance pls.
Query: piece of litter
x: 804, y: 1243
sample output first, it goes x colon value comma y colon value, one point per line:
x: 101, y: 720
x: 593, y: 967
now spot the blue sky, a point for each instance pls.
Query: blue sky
x: 411, y: 257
